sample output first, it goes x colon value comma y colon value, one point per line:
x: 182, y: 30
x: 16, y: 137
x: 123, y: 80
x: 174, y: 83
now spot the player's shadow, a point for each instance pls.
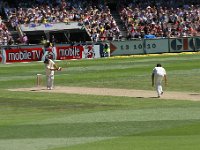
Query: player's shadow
x: 35, y: 90
x: 195, y: 94
x: 146, y: 97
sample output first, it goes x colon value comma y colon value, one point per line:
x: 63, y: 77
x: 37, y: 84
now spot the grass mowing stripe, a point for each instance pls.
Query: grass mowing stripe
x: 190, y: 128
x: 45, y: 143
x: 100, y: 129
x: 128, y: 115
x: 17, y: 78
x: 141, y: 143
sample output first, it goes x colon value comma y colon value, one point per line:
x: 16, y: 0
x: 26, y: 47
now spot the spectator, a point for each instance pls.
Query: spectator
x: 106, y: 50
x: 24, y: 39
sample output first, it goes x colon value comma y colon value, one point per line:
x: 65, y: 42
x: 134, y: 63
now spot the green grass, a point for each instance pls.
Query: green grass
x: 50, y: 121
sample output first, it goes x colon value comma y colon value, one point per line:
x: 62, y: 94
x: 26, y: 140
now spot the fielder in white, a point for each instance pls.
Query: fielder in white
x: 50, y: 67
x: 157, y: 77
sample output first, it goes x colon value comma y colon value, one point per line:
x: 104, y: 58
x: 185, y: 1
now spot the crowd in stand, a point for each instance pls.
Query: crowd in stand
x: 101, y: 24
x: 97, y: 20
x: 147, y: 17
x: 5, y: 35
x: 162, y: 19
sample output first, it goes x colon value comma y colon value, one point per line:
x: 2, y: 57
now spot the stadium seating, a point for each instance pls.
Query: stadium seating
x: 96, y: 21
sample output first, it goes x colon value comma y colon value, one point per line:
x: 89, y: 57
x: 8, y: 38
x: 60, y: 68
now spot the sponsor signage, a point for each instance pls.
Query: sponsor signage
x: 126, y: 47
x: 78, y: 52
x: 185, y: 44
x: 27, y: 54
x: 195, y: 43
x: 69, y: 52
x: 131, y: 47
x: 23, y: 54
x: 153, y: 46
x: 91, y: 51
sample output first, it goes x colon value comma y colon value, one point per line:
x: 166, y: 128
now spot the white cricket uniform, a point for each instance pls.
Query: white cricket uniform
x: 50, y: 74
x: 159, y: 73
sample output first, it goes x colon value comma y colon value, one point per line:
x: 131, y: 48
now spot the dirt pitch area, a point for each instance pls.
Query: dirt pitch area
x: 115, y: 92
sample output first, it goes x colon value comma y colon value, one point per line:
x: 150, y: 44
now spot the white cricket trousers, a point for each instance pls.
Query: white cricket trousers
x: 158, y: 84
x: 50, y: 81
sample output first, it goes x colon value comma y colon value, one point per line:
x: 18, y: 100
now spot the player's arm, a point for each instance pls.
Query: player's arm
x: 52, y: 69
x: 165, y: 78
x: 152, y: 79
x: 56, y: 67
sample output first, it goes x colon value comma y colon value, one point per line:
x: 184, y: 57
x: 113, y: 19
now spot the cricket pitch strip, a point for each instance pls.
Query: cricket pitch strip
x: 115, y: 92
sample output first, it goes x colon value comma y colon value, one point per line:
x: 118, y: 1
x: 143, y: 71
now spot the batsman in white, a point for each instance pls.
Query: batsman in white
x: 50, y: 67
x: 157, y: 77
